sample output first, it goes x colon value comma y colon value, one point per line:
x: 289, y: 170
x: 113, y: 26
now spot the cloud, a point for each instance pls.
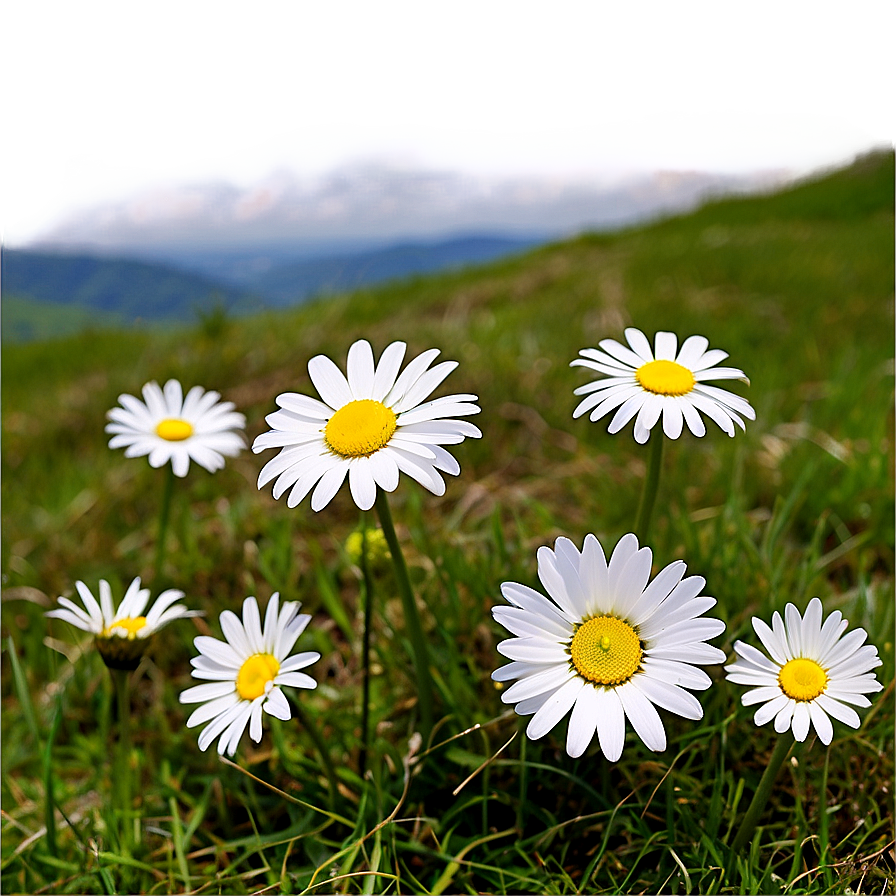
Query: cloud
x: 389, y: 189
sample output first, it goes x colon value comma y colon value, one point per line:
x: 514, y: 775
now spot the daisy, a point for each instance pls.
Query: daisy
x: 813, y: 673
x: 606, y: 646
x: 245, y: 673
x: 370, y: 426
x: 167, y: 426
x: 122, y: 635
x: 661, y: 382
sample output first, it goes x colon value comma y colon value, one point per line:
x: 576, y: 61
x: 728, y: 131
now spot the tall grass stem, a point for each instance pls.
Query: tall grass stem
x: 651, y: 485
x: 411, y: 616
x: 365, y: 649
x: 121, y: 786
x: 763, y: 791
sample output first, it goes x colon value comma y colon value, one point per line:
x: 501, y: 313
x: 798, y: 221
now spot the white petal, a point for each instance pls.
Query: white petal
x: 555, y: 708
x: 771, y: 641
x: 640, y: 344
x: 329, y: 381
x: 762, y: 694
x: 252, y: 625
x: 800, y: 724
x: 668, y: 696
x: 277, y: 705
x: 387, y: 370
x: 610, y: 722
x: 361, y: 483
x: 784, y: 717
x: 212, y: 709
x: 838, y: 710
x: 549, y: 679
x: 329, y: 484
x: 691, y: 351
x: 666, y: 346
x: 621, y: 353
x: 821, y: 722
x: 793, y: 623
x: 768, y: 711
x: 673, y: 418
x: 236, y: 635
x: 360, y: 369
x: 255, y: 721
x: 532, y: 650
x: 582, y: 721
x: 643, y: 716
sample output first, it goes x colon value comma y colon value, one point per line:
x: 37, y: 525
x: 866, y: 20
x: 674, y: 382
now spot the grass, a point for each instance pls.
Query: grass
x: 797, y: 287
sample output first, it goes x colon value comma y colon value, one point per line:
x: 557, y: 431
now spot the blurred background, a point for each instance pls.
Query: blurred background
x: 191, y: 157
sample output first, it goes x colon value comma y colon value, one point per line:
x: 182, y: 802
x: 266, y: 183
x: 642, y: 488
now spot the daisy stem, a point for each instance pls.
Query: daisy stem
x: 760, y: 797
x: 164, y: 512
x: 651, y: 485
x: 365, y: 649
x: 121, y: 786
x: 411, y: 616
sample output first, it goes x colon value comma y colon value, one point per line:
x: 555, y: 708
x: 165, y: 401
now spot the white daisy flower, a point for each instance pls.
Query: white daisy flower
x: 246, y: 672
x: 607, y: 645
x: 167, y: 426
x: 661, y: 382
x: 813, y: 673
x: 370, y: 426
x: 122, y: 634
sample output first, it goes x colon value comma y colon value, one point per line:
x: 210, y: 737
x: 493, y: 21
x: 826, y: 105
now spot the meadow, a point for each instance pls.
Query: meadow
x: 796, y: 286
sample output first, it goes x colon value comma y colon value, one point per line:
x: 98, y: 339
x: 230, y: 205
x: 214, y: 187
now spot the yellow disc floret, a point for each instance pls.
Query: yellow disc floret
x: 802, y: 679
x: 665, y: 378
x: 255, y: 674
x: 606, y: 650
x: 360, y: 428
x: 174, y: 430
x: 131, y: 625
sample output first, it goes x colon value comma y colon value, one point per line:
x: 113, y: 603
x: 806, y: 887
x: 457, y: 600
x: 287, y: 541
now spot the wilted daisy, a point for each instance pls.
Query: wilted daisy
x: 661, y: 382
x: 168, y: 426
x: 245, y: 673
x: 814, y: 671
x: 370, y: 426
x: 122, y: 634
x: 606, y: 646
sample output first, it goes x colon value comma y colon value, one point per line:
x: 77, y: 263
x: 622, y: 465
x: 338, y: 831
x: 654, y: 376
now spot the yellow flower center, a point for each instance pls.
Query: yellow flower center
x: 255, y: 674
x: 665, y: 378
x: 606, y: 650
x: 174, y: 430
x: 132, y: 625
x: 802, y: 679
x: 360, y: 428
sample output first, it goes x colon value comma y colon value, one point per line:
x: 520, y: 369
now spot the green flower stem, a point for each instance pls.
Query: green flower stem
x: 411, y: 616
x: 365, y: 648
x: 651, y: 485
x: 760, y: 798
x: 321, y: 748
x: 164, y: 513
x: 121, y: 785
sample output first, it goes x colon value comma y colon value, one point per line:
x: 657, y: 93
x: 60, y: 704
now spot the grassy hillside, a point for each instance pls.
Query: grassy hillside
x: 132, y: 290
x: 797, y: 287
x: 31, y: 320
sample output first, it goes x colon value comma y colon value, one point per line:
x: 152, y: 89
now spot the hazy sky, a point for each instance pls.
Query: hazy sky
x: 103, y: 98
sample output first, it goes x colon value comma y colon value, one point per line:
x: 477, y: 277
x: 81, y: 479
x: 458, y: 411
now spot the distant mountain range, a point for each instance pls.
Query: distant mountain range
x: 45, y: 292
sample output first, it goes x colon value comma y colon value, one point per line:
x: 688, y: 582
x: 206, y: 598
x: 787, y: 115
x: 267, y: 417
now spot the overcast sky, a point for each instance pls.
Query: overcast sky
x: 103, y: 98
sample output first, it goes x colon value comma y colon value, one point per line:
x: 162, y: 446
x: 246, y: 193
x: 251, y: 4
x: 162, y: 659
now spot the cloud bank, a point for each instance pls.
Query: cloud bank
x: 392, y: 189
